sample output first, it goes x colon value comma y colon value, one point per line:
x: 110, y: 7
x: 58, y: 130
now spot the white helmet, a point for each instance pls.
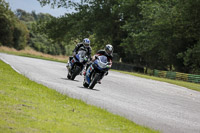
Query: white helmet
x: 86, y: 42
x: 109, y: 49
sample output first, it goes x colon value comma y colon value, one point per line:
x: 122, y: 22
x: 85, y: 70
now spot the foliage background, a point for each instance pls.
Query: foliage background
x: 155, y: 34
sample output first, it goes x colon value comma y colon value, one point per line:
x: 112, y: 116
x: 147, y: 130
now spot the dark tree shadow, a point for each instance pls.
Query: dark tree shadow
x: 88, y: 88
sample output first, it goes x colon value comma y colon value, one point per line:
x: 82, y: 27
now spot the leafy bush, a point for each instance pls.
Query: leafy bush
x: 13, y: 33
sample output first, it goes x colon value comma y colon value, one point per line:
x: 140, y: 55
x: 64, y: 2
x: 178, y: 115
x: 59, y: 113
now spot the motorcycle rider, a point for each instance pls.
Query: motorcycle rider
x: 84, y: 45
x: 108, y: 52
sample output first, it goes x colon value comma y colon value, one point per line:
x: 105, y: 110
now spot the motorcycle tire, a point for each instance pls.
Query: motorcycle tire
x: 68, y: 76
x: 75, y: 72
x: 94, y: 81
x: 85, y: 84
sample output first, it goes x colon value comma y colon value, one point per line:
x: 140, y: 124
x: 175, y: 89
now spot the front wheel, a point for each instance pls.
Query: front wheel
x: 85, y: 84
x: 68, y: 76
x: 94, y: 81
x: 76, y: 71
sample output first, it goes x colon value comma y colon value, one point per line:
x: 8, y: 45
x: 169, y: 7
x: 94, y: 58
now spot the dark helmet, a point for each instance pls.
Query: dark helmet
x: 109, y: 49
x: 86, y: 42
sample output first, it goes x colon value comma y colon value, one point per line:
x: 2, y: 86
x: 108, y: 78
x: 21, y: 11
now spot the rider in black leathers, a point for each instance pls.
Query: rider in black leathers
x: 85, y: 45
x: 108, y: 52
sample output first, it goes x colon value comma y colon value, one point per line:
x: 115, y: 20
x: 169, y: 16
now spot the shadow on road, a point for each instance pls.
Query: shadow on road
x: 69, y: 79
x: 87, y: 88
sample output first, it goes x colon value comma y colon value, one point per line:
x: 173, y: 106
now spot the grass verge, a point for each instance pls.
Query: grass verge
x: 188, y: 85
x: 26, y: 106
x: 29, y: 52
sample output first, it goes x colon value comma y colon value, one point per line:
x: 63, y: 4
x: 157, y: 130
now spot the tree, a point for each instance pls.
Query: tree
x: 13, y: 33
x: 156, y: 34
x: 5, y: 24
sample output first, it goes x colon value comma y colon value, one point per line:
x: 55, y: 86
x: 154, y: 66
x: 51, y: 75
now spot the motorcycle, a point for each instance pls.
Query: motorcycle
x: 96, y: 71
x: 78, y: 61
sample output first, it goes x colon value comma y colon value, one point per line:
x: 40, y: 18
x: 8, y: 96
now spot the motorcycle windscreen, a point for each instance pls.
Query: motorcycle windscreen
x: 102, y: 63
x: 103, y: 59
x: 81, y: 55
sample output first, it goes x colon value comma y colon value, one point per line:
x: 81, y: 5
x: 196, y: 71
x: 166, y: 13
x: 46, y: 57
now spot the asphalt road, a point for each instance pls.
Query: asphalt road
x: 158, y: 105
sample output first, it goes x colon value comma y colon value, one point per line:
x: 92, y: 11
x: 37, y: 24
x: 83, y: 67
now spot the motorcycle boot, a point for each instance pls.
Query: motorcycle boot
x: 69, y: 63
x: 99, y: 81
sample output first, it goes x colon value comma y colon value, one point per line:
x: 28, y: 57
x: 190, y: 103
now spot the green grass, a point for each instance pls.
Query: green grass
x: 188, y: 85
x: 26, y: 106
x: 41, y: 57
x: 34, y: 56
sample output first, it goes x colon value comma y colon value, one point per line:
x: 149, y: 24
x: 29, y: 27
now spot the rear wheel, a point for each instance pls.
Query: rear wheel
x: 94, y: 81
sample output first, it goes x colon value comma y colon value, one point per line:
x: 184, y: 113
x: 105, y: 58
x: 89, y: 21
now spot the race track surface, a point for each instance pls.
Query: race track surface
x: 158, y: 105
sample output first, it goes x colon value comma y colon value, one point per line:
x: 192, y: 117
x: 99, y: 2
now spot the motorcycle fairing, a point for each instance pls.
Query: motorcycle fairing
x: 89, y: 71
x: 79, y: 58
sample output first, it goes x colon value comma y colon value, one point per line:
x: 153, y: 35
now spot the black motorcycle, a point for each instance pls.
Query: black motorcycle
x: 76, y: 64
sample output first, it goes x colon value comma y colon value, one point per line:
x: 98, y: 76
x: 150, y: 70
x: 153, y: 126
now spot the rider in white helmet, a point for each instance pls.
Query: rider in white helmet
x: 85, y: 44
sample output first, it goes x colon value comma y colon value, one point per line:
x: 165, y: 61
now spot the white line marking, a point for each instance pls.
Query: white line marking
x: 10, y: 65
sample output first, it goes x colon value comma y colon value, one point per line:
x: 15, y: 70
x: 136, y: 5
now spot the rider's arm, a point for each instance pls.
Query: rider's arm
x: 89, y: 53
x: 94, y: 57
x: 77, y: 47
x: 110, y: 61
x: 101, y: 52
